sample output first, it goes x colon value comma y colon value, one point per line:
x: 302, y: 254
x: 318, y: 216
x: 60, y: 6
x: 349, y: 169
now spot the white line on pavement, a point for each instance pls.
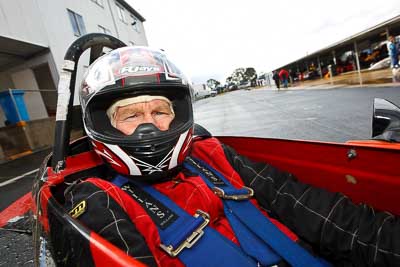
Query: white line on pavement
x: 12, y: 180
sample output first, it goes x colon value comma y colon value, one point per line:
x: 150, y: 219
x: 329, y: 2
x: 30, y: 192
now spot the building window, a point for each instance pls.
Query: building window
x: 99, y: 2
x: 135, y: 23
x: 77, y: 23
x: 104, y: 30
x: 121, y: 13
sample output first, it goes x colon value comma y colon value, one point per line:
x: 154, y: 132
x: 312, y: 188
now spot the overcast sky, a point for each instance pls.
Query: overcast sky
x: 211, y: 38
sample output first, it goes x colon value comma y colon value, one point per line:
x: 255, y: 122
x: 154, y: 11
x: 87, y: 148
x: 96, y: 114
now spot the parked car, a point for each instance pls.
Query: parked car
x: 205, y: 93
x: 220, y: 89
x: 244, y: 85
x: 233, y: 87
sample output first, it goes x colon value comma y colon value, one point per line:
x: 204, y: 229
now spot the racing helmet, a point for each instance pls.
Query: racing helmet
x: 148, y: 153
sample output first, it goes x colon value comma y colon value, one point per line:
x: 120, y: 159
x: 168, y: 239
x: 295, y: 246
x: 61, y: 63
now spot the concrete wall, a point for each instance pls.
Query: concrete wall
x: 29, y: 136
x: 126, y: 31
x: 5, y: 83
x: 25, y: 79
x: 46, y: 23
x: 93, y: 15
x: 40, y: 133
x: 20, y: 19
x: 13, y: 141
x: 2, y: 118
x: 47, y: 87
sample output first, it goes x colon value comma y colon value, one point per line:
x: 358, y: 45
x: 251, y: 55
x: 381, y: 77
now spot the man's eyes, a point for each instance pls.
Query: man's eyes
x: 160, y: 113
x: 138, y: 115
x: 130, y: 117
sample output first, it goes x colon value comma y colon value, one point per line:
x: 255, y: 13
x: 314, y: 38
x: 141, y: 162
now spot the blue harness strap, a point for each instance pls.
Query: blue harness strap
x: 244, y: 217
x: 182, y: 235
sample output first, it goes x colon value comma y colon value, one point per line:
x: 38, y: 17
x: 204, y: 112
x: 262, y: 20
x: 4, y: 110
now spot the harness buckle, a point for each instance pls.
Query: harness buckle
x: 221, y: 193
x: 190, y: 240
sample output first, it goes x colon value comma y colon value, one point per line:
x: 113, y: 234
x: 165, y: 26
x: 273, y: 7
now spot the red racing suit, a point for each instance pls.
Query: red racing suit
x: 327, y: 223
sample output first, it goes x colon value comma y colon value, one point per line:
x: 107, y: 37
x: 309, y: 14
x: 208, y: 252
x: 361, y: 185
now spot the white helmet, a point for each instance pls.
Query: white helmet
x: 129, y: 72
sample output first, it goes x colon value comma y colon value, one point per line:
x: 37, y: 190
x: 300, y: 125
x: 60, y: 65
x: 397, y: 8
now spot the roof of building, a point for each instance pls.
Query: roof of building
x: 368, y: 33
x: 131, y: 9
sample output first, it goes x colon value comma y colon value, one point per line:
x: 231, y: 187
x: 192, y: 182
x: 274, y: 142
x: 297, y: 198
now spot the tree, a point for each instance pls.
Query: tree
x: 243, y: 75
x: 212, y: 83
x: 251, y: 75
x: 238, y: 75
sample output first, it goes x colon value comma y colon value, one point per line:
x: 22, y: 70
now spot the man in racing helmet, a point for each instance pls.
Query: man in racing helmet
x: 137, y: 113
x: 119, y: 77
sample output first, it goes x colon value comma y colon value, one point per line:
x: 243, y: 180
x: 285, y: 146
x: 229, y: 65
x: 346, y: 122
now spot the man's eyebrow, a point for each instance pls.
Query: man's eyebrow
x: 163, y: 106
x: 126, y: 111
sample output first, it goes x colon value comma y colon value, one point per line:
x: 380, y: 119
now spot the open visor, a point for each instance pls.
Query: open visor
x: 98, y: 124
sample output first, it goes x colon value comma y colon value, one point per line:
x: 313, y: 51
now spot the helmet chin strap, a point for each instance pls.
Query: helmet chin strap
x: 146, y: 130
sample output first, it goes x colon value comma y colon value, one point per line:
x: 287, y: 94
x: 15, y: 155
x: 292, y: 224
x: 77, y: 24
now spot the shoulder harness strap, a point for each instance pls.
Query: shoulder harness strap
x: 257, y: 235
x: 182, y: 235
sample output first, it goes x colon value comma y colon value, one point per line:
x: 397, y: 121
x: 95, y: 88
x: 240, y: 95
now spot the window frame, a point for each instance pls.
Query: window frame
x: 77, y: 23
x: 135, y: 26
x: 103, y: 29
x: 98, y: 2
x: 121, y: 13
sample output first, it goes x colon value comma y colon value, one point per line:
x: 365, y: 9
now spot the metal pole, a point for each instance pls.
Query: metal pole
x: 319, y: 67
x: 113, y: 18
x: 66, y: 90
x: 334, y: 57
x: 358, y: 63
x: 387, y: 32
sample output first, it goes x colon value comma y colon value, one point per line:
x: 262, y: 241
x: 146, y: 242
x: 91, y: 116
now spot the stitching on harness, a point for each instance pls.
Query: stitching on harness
x: 279, y: 193
x: 304, y: 193
x: 329, y: 215
x: 250, y: 168
x: 108, y: 225
x: 119, y: 233
x: 378, y: 236
x: 258, y: 174
x: 72, y: 199
x: 352, y: 239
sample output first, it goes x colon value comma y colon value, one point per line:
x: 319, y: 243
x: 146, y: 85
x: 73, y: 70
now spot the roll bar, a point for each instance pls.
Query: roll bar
x: 66, y: 89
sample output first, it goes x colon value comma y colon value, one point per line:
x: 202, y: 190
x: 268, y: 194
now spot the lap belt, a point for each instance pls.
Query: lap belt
x: 257, y: 235
x: 182, y: 235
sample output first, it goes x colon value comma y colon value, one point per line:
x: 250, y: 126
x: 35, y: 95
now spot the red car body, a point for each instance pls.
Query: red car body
x: 365, y: 171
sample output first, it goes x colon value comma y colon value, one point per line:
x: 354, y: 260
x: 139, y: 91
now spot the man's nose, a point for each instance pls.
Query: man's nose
x: 148, y: 118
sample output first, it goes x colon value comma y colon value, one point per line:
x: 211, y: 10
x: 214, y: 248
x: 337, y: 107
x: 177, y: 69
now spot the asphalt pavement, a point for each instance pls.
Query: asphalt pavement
x: 322, y: 114
x: 16, y: 176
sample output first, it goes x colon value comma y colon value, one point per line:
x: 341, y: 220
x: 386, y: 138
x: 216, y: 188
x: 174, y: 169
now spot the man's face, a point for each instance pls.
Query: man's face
x: 157, y: 112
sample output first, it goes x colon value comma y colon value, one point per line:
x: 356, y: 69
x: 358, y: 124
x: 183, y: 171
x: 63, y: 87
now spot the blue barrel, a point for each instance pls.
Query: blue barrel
x: 12, y: 108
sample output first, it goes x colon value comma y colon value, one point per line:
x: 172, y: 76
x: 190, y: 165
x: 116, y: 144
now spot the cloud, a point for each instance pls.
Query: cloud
x: 212, y: 38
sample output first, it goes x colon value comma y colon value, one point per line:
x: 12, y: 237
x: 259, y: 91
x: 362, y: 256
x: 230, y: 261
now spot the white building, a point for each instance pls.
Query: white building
x: 35, y: 34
